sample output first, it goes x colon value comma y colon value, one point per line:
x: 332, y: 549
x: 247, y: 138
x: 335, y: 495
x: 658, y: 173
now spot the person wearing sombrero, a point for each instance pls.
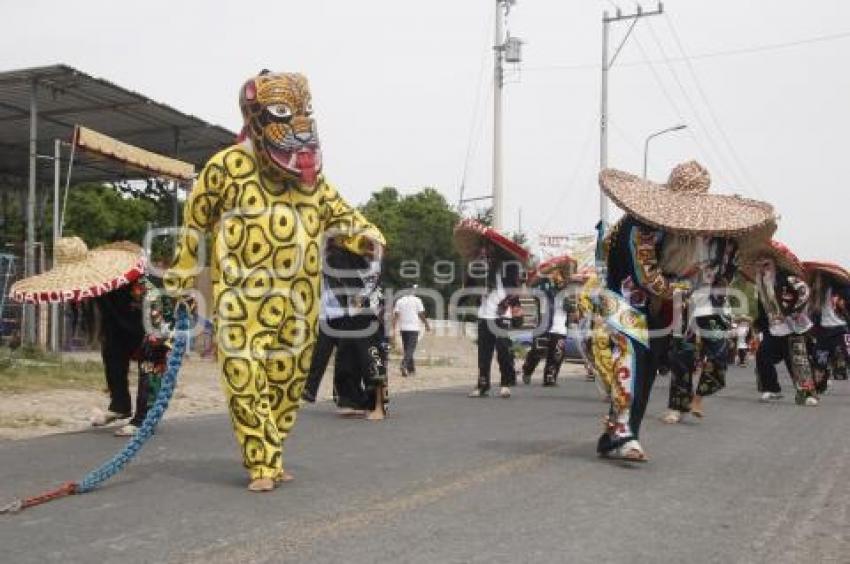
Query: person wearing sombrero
x: 548, y: 281
x: 830, y: 310
x: 743, y: 337
x: 635, y: 285
x: 783, y: 321
x: 112, y: 277
x: 698, y: 350
x: 493, y: 275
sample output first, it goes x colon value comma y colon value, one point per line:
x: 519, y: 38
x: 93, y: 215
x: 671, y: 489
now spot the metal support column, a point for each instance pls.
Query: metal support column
x: 29, y: 328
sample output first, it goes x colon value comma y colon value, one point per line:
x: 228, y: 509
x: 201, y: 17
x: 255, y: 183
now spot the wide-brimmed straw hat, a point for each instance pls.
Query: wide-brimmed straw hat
x: 784, y: 258
x: 684, y: 205
x: 565, y: 263
x: 838, y: 272
x: 80, y: 273
x: 470, y: 234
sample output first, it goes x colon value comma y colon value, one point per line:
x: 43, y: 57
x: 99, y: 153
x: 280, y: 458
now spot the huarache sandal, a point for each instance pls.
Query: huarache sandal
x: 630, y: 451
x: 261, y: 485
x: 282, y: 477
x: 672, y: 417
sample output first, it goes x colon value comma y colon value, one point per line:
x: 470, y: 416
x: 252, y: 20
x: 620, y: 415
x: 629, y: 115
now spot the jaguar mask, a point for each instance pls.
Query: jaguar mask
x: 277, y: 111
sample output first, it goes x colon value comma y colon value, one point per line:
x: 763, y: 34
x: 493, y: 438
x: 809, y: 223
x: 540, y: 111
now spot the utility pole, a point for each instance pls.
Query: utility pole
x: 498, y: 84
x: 505, y: 49
x: 606, y: 66
x: 29, y: 330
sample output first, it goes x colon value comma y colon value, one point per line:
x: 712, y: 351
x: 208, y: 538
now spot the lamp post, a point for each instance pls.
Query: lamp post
x: 652, y: 136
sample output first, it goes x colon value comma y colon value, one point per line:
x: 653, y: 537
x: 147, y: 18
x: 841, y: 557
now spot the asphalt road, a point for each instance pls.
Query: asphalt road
x: 452, y: 479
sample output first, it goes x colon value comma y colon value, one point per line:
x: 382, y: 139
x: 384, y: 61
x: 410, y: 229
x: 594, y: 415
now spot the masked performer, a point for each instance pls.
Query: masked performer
x: 111, y: 276
x: 550, y: 280
x: 830, y: 311
x: 699, y: 346
x: 267, y: 206
x: 635, y: 284
x: 783, y: 296
x: 494, y: 273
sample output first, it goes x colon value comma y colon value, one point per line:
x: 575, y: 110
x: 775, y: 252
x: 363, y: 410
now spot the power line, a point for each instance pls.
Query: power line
x: 716, y: 149
x: 709, y: 55
x: 568, y: 189
x: 711, y: 113
x: 475, y: 125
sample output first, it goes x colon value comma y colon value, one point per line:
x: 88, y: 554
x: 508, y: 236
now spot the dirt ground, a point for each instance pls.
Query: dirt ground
x: 441, y: 362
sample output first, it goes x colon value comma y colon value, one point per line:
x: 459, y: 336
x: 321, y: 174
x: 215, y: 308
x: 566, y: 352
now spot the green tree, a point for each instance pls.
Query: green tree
x: 418, y: 229
x: 99, y: 214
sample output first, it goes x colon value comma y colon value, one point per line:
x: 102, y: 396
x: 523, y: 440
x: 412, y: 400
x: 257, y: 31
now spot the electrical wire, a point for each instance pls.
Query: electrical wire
x: 738, y: 161
x: 715, y: 147
x: 475, y: 125
x: 708, y: 55
x: 569, y: 188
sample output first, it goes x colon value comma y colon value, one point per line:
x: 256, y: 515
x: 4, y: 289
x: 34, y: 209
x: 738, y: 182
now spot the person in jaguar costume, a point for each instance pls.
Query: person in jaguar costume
x: 267, y: 206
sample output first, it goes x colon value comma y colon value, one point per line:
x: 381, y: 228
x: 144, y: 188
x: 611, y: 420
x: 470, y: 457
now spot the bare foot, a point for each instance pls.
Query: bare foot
x: 376, y: 415
x: 283, y: 477
x: 696, y: 407
x: 261, y: 485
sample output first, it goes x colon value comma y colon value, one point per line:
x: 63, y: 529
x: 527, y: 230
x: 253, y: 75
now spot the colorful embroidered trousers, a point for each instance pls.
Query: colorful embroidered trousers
x: 793, y: 351
x: 551, y: 347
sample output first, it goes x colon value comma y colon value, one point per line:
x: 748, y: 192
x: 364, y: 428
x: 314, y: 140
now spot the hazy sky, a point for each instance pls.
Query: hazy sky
x: 403, y: 92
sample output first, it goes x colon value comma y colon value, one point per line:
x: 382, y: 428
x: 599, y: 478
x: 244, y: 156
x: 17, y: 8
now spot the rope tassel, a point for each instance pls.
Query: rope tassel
x: 117, y: 463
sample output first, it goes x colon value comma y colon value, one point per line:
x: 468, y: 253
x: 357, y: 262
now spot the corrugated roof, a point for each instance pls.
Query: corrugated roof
x: 67, y: 96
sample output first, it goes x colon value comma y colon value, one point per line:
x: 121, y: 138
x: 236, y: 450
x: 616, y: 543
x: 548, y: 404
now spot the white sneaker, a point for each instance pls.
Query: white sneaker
x: 128, y: 430
x: 477, y: 393
x: 811, y: 401
x: 100, y: 418
x: 504, y: 392
x: 770, y: 396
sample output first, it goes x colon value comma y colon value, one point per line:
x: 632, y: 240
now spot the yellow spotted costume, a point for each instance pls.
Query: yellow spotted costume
x: 266, y: 208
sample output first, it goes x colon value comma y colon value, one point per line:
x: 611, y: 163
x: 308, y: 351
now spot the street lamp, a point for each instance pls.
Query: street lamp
x: 656, y: 134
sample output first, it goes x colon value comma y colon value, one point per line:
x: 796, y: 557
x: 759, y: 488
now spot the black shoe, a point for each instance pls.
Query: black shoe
x: 308, y: 396
x: 526, y: 379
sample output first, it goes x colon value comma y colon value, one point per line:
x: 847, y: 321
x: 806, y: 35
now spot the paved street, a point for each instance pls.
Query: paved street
x: 452, y: 479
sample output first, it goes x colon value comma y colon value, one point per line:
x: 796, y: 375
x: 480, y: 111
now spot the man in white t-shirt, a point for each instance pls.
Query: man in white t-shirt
x: 407, y: 315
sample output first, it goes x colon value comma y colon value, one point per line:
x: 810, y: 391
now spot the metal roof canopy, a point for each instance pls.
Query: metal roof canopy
x: 40, y: 106
x: 65, y: 96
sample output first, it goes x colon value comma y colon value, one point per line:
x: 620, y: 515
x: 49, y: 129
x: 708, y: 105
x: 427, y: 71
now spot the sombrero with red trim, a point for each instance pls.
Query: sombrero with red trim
x: 839, y: 273
x: 80, y: 273
x: 469, y: 234
x: 565, y: 263
x: 684, y: 205
x: 785, y: 259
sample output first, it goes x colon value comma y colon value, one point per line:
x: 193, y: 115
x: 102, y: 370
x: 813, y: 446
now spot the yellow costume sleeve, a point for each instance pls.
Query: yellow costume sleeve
x: 341, y: 220
x: 200, y: 214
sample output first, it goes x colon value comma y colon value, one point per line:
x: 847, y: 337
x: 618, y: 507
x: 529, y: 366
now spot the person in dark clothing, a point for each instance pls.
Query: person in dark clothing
x: 351, y: 327
x: 122, y: 332
x: 552, y: 277
x: 501, y: 263
x: 785, y: 326
x: 152, y: 359
x: 636, y: 287
x: 829, y: 311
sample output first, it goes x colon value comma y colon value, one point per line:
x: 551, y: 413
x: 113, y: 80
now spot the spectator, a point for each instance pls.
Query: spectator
x: 407, y: 315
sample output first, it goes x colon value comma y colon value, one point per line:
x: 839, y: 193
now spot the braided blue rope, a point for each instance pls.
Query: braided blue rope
x: 114, y: 465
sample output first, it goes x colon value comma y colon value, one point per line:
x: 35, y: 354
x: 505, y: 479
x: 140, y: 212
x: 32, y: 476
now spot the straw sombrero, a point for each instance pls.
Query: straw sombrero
x: 684, y: 205
x: 469, y: 234
x: 782, y: 255
x: 80, y: 273
x: 565, y: 263
x: 839, y: 273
